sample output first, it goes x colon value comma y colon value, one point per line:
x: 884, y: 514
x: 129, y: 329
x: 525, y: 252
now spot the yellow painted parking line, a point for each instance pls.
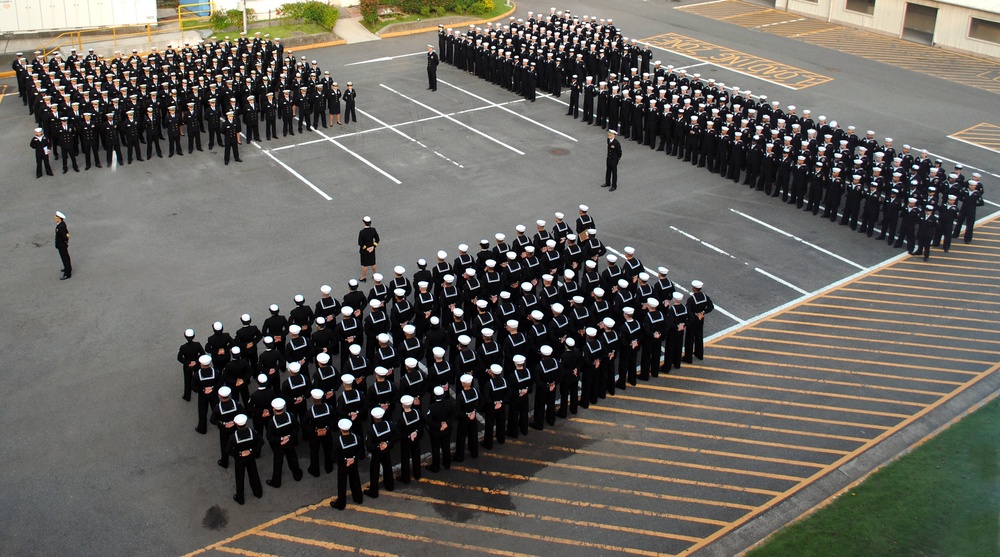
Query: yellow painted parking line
x: 911, y: 295
x: 869, y: 351
x: 737, y: 425
x: 574, y: 502
x: 478, y: 528
x: 668, y: 447
x: 775, y: 415
x: 797, y: 366
x: 798, y: 391
x: 883, y: 321
x: 260, y: 527
x: 606, y: 489
x: 386, y: 533
x: 244, y: 552
x: 848, y: 360
x: 774, y: 402
x: 936, y: 289
x: 539, y: 517
x: 852, y: 384
x: 634, y: 475
x: 985, y: 136
x: 898, y: 312
x: 984, y: 257
x: 912, y: 304
x: 840, y: 462
x: 330, y: 546
x: 717, y: 437
x: 905, y: 269
x: 881, y: 341
x: 949, y: 265
x: 956, y: 67
x: 742, y: 63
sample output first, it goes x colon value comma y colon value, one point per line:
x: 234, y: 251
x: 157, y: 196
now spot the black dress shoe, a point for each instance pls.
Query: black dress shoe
x: 372, y: 494
x: 201, y: 431
x: 297, y: 475
x: 339, y: 505
x: 64, y: 277
x: 223, y: 464
x: 613, y: 188
x: 604, y: 185
x: 272, y: 484
x: 237, y: 499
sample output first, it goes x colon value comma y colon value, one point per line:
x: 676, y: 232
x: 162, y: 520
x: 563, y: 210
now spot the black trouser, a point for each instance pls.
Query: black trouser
x: 194, y: 139
x: 64, y: 255
x: 43, y: 160
x: 117, y: 150
x: 628, y: 357
x: 468, y: 434
x: 317, y: 442
x: 675, y: 345
x: 694, y: 341
x: 247, y: 466
x: 282, y: 453
x: 440, y: 451
x: 286, y: 126
x: 224, y: 434
x: 649, y: 360
x: 188, y: 373
x: 345, y: 473
x: 349, y: 113
x: 270, y: 127
x: 214, y: 135
x: 517, y: 418
x: 304, y: 120
x: 968, y: 218
x: 381, y: 460
x: 545, y: 405
x: 587, y: 376
x: 203, y: 403
x: 89, y: 150
x: 569, y: 394
x: 611, y: 174
x: 67, y: 154
x: 232, y: 147
x: 409, y: 461
x: 319, y: 116
x: 495, y: 425
x: 152, y: 141
x: 432, y: 78
x: 174, y: 144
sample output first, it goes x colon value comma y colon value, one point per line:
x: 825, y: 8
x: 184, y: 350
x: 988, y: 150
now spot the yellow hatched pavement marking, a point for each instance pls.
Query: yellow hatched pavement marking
x: 818, y: 381
x: 769, y: 401
x: 635, y: 475
x: 717, y: 437
x: 834, y: 370
x: 404, y: 536
x: 542, y: 518
x: 324, y: 544
x: 985, y: 135
x: 479, y: 528
x: 606, y: 489
x: 885, y: 352
x: 574, y: 502
x: 668, y: 447
x: 881, y: 341
x: 768, y: 429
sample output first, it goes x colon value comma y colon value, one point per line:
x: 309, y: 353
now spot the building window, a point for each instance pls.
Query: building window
x: 861, y: 6
x: 985, y: 30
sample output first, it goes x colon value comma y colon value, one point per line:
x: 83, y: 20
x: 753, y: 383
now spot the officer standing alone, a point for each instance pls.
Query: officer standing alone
x: 432, y: 64
x: 62, y: 245
x: 367, y: 242
x: 614, y: 155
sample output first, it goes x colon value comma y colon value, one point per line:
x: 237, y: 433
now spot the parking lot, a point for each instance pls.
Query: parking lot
x: 776, y: 417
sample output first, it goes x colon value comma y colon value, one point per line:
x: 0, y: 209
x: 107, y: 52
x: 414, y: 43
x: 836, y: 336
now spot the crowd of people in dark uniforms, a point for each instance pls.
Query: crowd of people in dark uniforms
x: 906, y: 196
x: 226, y: 89
x: 546, y: 321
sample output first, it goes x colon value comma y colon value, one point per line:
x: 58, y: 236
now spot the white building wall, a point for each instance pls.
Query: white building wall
x: 29, y: 16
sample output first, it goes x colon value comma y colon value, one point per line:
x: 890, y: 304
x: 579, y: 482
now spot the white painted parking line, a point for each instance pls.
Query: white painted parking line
x: 797, y: 239
x: 652, y: 273
x: 384, y: 59
x: 463, y: 124
x: 691, y: 66
x: 413, y: 139
x: 505, y: 109
x: 725, y: 68
x: 293, y: 172
x: 702, y: 242
x: 369, y: 163
x: 780, y: 280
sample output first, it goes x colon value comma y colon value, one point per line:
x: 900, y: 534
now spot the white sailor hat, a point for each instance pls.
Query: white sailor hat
x: 409, y: 329
x: 316, y: 393
x: 235, y: 350
x: 511, y: 323
x: 294, y: 329
x: 526, y: 286
x: 540, y: 223
x: 323, y: 358
x: 278, y: 403
x: 325, y: 289
x: 519, y: 359
x: 520, y: 228
x: 622, y: 283
x: 458, y: 312
x: 188, y: 333
x: 439, y: 391
x: 590, y: 332
x: 406, y: 400
x: 599, y: 292
x: 608, y: 322
x: 344, y: 424
x: 482, y: 304
x: 697, y: 284
x: 347, y: 379
x: 464, y: 340
x: 354, y: 349
x: 486, y: 332
x: 537, y: 315
x: 584, y: 208
x: 346, y: 311
x: 438, y: 352
x: 547, y: 277
x: 410, y: 362
x: 293, y: 367
x: 377, y: 277
x: 381, y: 371
x: 382, y: 338
x: 652, y: 302
x: 559, y: 216
x: 225, y: 391
x: 465, y: 379
x: 678, y: 296
x: 240, y: 420
x: 375, y: 303
x: 399, y: 293
x: 217, y: 326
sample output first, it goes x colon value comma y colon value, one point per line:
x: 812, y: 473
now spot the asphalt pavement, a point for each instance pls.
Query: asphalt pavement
x: 101, y: 458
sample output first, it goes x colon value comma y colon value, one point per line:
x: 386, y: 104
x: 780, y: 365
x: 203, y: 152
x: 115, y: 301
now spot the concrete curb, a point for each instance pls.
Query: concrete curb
x: 392, y: 34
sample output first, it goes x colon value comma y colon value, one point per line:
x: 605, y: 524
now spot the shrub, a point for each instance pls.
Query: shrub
x: 316, y: 12
x: 231, y: 18
x: 369, y: 11
x: 439, y: 10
